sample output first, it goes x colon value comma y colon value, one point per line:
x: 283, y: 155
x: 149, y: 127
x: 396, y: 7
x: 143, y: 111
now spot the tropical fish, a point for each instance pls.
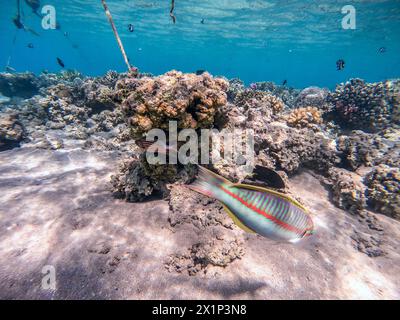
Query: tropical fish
x: 30, y: 45
x: 200, y: 72
x: 60, y: 62
x: 131, y: 28
x: 382, y: 50
x: 340, y: 64
x: 284, y: 83
x: 202, y: 21
x: 266, y: 212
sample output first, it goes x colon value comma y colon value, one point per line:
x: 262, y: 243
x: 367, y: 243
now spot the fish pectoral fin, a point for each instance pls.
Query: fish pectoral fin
x: 237, y: 221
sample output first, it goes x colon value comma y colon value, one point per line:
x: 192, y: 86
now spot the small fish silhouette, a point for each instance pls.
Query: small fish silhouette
x: 131, y: 28
x: 200, y: 72
x: 340, y: 64
x: 284, y: 83
x: 202, y: 21
x: 382, y: 50
x: 60, y: 62
x: 30, y: 45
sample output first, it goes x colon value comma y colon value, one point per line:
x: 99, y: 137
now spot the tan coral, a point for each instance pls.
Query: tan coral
x: 192, y: 100
x: 304, y: 117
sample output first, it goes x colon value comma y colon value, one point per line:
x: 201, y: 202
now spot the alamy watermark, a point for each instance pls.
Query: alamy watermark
x: 206, y: 146
x: 349, y: 20
x: 49, y: 279
x: 49, y: 20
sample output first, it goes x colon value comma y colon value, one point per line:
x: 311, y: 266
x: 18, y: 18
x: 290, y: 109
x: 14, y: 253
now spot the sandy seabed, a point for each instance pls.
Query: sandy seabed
x: 56, y: 209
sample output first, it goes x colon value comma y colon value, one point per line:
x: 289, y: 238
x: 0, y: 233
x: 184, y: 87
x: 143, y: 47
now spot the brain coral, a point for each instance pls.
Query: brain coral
x: 151, y: 102
x: 368, y: 106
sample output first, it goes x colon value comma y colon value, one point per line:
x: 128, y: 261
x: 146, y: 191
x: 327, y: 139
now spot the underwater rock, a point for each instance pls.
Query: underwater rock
x: 384, y: 190
x: 11, y: 131
x: 367, y: 106
x: 24, y: 85
x: 306, y: 117
x: 313, y: 96
x: 192, y: 100
x: 202, y: 255
x: 188, y: 207
x: 136, y: 179
x: 368, y: 244
x: 216, y: 240
x: 360, y: 148
x: 348, y: 190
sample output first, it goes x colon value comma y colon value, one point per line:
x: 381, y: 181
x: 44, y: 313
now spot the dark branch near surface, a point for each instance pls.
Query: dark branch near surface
x: 171, y: 13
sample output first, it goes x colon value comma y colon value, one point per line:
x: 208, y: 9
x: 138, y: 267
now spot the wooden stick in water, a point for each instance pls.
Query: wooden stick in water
x: 107, y: 11
x: 171, y: 13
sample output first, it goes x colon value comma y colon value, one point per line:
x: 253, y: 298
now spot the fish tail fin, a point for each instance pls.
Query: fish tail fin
x: 208, y: 183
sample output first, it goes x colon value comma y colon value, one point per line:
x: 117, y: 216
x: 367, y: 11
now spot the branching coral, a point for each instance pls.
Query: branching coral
x: 305, y: 117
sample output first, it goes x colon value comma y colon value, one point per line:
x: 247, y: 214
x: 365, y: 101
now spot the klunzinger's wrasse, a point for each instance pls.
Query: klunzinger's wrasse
x: 255, y: 209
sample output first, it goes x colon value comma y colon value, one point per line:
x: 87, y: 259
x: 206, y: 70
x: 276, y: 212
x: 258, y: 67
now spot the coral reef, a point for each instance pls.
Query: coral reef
x: 360, y: 148
x: 367, y: 106
x: 348, y: 190
x: 384, y: 190
x: 313, y: 96
x: 286, y: 94
x: 306, y: 117
x: 192, y: 100
x: 24, y: 85
x: 252, y: 99
x: 235, y: 86
x: 136, y: 179
x: 11, y: 131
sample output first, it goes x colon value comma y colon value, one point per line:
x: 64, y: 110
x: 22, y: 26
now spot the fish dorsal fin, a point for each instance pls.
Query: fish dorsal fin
x: 269, y: 176
x: 237, y: 221
x: 275, y: 193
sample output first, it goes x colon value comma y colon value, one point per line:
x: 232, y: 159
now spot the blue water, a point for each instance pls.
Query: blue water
x: 255, y: 40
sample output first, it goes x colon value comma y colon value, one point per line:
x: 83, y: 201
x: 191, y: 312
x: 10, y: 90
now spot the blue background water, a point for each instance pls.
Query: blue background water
x: 256, y: 40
